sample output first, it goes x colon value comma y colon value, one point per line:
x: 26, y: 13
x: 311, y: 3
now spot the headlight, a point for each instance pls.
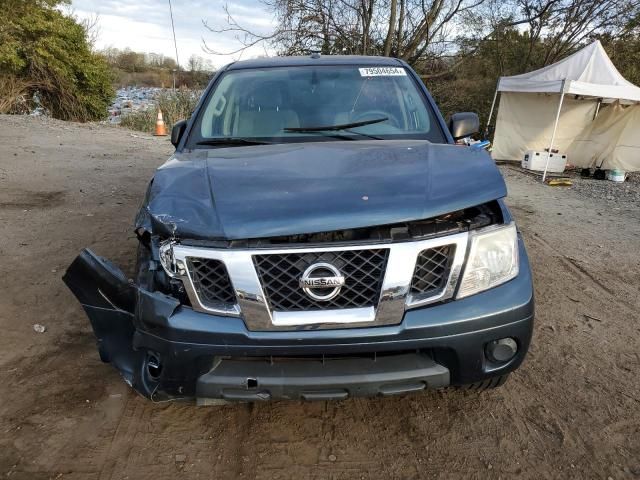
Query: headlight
x: 493, y: 260
x: 168, y: 261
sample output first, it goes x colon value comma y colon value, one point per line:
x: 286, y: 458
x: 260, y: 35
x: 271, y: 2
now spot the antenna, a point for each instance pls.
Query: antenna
x: 175, y: 44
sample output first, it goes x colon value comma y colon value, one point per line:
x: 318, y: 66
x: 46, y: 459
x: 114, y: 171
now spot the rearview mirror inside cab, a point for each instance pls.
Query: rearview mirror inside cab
x: 463, y: 124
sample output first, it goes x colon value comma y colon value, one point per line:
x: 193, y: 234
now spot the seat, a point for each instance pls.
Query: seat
x: 266, y: 113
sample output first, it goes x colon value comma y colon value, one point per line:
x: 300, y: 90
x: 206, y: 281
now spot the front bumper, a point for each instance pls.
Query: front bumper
x: 313, y: 379
x: 163, y: 348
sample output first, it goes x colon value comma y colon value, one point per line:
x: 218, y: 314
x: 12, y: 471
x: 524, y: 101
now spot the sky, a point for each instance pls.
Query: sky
x: 145, y: 26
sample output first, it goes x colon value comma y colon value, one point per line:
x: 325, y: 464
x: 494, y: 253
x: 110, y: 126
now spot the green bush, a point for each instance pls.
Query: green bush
x: 175, y: 106
x: 49, y: 51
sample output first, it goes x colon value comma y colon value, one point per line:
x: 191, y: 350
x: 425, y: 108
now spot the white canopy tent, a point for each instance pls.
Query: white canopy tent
x: 587, y: 73
x: 611, y: 141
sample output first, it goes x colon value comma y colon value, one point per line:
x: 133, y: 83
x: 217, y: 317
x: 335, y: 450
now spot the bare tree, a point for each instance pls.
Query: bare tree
x: 404, y: 28
x: 556, y: 28
x: 194, y: 64
x: 420, y: 31
x: 91, y: 26
x: 575, y: 21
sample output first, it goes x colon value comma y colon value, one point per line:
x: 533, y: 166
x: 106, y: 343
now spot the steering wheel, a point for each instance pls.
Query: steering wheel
x: 374, y: 114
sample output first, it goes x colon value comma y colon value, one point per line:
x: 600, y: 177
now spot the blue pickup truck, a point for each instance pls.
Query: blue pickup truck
x: 316, y: 235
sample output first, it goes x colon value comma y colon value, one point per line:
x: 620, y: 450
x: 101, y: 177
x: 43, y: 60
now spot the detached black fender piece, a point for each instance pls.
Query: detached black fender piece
x: 115, y: 306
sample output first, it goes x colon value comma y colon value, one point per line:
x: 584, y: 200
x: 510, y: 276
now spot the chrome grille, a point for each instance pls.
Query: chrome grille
x: 363, y: 271
x: 390, y: 267
x: 432, y: 271
x: 211, y: 282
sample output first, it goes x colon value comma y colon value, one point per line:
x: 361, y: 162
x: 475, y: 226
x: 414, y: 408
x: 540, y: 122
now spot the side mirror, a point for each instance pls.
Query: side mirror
x: 463, y: 125
x: 177, y: 131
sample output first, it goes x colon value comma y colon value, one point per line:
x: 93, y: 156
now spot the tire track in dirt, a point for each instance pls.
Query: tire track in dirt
x: 581, y: 273
x: 113, y: 450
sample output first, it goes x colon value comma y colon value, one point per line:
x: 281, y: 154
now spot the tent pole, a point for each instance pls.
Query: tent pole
x: 493, y: 104
x: 597, y: 108
x: 553, y: 135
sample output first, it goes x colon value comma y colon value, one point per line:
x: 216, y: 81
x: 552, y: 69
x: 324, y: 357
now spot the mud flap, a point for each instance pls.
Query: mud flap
x: 113, y: 305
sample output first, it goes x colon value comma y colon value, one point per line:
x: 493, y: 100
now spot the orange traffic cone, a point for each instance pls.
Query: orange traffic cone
x: 161, y: 129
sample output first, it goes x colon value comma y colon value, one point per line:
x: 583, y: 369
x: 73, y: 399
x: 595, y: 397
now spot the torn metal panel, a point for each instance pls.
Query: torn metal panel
x: 115, y: 306
x: 154, y: 308
x: 110, y: 290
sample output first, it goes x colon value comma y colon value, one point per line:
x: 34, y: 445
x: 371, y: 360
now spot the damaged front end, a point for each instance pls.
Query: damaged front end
x: 166, y: 345
x: 116, y: 308
x: 201, y: 323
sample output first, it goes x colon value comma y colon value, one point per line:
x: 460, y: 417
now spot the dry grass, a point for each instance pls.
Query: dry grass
x: 14, y: 94
x: 49, y: 90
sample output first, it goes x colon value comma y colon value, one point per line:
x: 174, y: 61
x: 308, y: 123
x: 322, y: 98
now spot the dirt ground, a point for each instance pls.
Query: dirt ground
x: 571, y: 411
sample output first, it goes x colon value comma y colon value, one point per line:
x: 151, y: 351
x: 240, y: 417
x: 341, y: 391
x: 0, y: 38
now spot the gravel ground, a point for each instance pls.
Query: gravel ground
x: 571, y: 412
x: 613, y: 193
x: 628, y: 191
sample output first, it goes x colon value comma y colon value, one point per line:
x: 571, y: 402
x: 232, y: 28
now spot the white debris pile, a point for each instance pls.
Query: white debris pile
x: 132, y: 99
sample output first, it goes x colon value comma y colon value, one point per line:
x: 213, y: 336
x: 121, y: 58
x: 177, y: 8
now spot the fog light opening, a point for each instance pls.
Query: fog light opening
x: 154, y: 367
x: 252, y: 383
x: 501, y: 351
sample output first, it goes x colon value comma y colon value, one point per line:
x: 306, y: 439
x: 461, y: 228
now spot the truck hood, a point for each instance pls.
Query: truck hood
x: 272, y: 190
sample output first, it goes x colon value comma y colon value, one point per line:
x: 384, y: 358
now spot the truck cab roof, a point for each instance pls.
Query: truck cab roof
x: 314, y: 59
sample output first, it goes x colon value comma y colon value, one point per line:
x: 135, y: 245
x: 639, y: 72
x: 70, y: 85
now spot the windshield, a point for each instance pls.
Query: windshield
x: 310, y: 103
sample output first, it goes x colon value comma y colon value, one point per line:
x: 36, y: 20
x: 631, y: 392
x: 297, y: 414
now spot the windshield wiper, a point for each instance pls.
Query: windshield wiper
x: 331, y: 128
x: 231, y: 141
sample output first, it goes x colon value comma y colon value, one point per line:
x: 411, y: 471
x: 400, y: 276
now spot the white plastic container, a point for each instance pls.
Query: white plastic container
x: 534, y: 160
x: 616, y: 175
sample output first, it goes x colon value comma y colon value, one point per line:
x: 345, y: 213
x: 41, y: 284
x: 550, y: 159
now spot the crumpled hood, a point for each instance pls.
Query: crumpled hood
x: 272, y: 190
